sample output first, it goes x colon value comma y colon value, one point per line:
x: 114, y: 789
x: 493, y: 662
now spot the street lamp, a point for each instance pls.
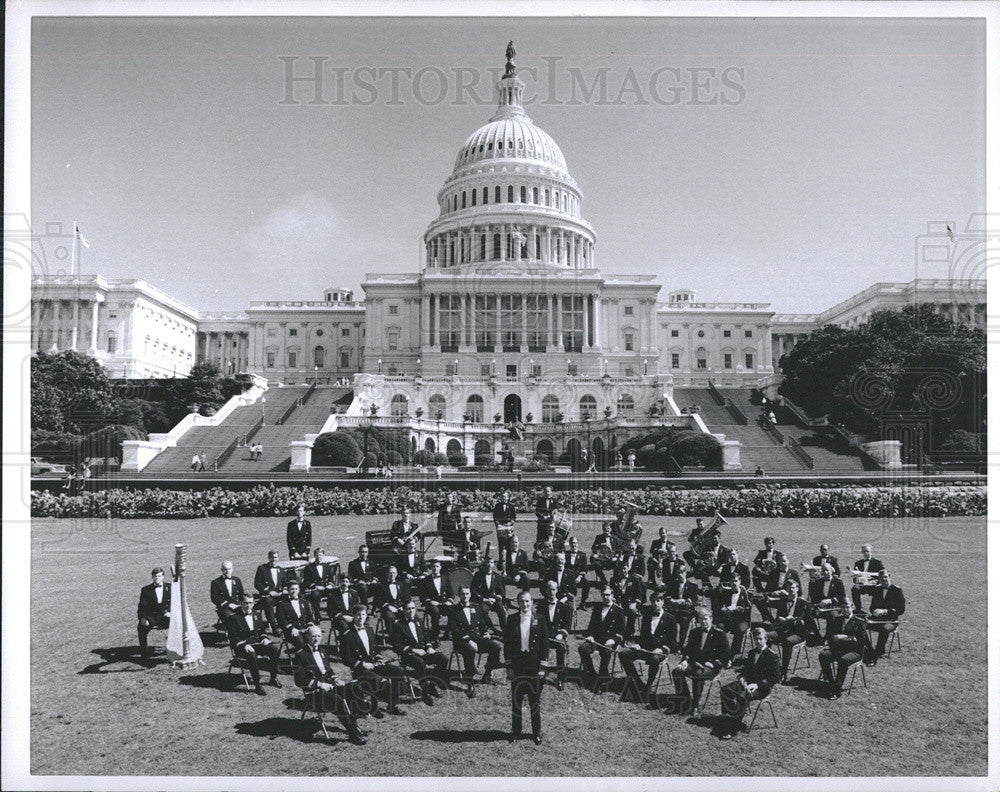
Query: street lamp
x: 263, y: 401
x: 380, y: 365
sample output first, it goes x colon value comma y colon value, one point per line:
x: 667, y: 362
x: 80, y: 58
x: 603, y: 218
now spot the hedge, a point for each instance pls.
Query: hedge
x: 750, y: 501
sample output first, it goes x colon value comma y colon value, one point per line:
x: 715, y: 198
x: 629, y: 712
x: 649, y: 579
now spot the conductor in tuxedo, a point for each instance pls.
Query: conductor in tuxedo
x: 525, y: 646
x: 154, y: 609
x: 226, y: 592
x: 299, y: 535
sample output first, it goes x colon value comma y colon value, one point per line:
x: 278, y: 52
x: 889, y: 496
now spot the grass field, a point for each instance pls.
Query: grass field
x: 94, y: 710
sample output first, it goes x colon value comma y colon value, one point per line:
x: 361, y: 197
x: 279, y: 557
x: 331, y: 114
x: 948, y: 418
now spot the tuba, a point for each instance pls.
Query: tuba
x: 704, y: 541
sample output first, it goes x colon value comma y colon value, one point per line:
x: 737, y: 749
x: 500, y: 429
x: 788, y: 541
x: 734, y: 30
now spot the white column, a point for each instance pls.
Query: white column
x: 563, y: 259
x: 503, y: 242
x: 586, y: 321
x: 597, y: 321
x: 559, y: 338
x: 516, y: 244
x: 472, y: 320
x: 94, y: 309
x: 550, y: 302
x: 74, y: 334
x: 548, y: 245
x: 56, y: 322
x: 524, y: 321
x: 425, y: 309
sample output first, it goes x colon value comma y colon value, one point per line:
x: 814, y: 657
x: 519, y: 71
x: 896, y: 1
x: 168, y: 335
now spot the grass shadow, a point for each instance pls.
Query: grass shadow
x: 113, y: 655
x: 298, y: 729
x: 460, y: 735
x: 222, y: 681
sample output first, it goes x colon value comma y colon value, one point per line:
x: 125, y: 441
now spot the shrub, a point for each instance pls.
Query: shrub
x: 440, y: 458
x: 336, y: 448
x: 423, y: 457
x: 484, y: 460
x: 458, y: 460
x: 698, y: 449
x: 960, y: 441
x: 371, y: 459
x: 106, y: 442
x: 55, y: 446
x: 394, y: 458
x: 646, y: 455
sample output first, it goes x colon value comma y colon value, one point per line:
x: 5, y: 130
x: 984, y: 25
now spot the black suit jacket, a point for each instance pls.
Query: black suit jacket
x: 525, y: 663
x: 763, y: 668
x: 516, y: 562
x: 384, y: 597
x: 217, y: 591
x: 336, y: 603
x: 149, y: 608
x: 831, y: 560
x: 407, y: 569
x: 449, y: 518
x: 262, y: 579
x: 355, y: 573
x: 562, y: 618
x: 612, y: 626
x: 650, y: 640
x: 741, y: 570
x: 835, y: 592
x: 496, y: 588
x: 239, y: 631
x: 429, y: 593
x: 307, y: 673
x: 891, y: 599
x: 286, y: 615
x: 762, y: 556
x: 402, y: 638
x: 504, y: 514
x: 544, y: 508
x: 874, y: 565
x: 464, y: 630
x: 353, y: 652
x: 714, y: 647
x: 578, y: 564
x: 772, y: 582
x: 567, y: 586
x: 299, y: 539
x: 311, y: 577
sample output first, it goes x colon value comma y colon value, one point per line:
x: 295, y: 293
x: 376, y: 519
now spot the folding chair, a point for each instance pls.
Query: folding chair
x: 760, y: 703
x: 798, y: 651
x: 853, y: 668
x: 893, y: 637
x: 709, y: 684
x: 239, y: 662
x: 309, y: 704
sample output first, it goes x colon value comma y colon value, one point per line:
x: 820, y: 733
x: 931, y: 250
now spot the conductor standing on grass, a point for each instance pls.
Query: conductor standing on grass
x: 525, y: 646
x: 299, y: 535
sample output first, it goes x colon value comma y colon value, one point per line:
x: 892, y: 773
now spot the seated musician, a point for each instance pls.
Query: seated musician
x: 449, y: 515
x: 694, y: 537
x: 515, y: 565
x: 294, y: 616
x: 602, y: 553
x: 603, y: 635
x: 565, y: 580
x: 824, y: 557
x: 865, y: 583
x: 488, y: 590
x: 313, y: 672
x: 705, y: 653
x: 545, y: 507
x: 558, y: 618
x: 270, y: 580
x: 829, y: 600
x: 776, y: 586
x: 629, y: 562
x: 340, y: 604
x: 418, y: 653
x: 731, y: 611
x: 576, y: 564
x: 319, y: 581
x: 471, y: 635
x: 361, y: 571
x: 504, y: 516
x: 789, y: 625
x: 657, y: 549
x: 888, y: 604
x: 656, y: 639
x: 401, y: 529
x: 844, y: 649
x: 248, y: 640
x: 436, y: 595
x: 226, y: 592
x: 733, y: 567
x: 408, y: 562
x: 630, y: 594
x: 359, y: 652
x: 707, y: 565
x: 666, y: 567
x: 764, y: 563
x: 760, y: 673
x: 680, y: 595
x: 153, y: 612
x: 391, y: 595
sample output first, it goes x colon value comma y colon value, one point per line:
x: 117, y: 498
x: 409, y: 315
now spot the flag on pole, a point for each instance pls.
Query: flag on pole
x: 179, y: 621
x: 81, y: 237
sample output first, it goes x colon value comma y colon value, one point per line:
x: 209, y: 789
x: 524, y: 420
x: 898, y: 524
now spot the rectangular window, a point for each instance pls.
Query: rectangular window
x: 748, y: 333
x: 485, y: 370
x: 675, y: 360
x: 727, y: 360
x: 572, y: 323
x: 727, y: 333
x: 674, y: 333
x: 393, y: 310
x: 345, y: 360
x: 630, y: 371
x: 628, y: 310
x: 486, y: 322
x: 537, y: 307
x: 112, y: 344
x: 292, y: 331
x: 345, y: 332
x: 702, y: 362
x: 450, y: 369
x: 392, y: 341
x: 629, y: 342
x: 536, y: 370
x: 292, y: 359
x: 270, y: 360
x: 511, y: 371
x: 450, y: 311
x: 749, y: 361
x: 271, y: 332
x: 510, y: 322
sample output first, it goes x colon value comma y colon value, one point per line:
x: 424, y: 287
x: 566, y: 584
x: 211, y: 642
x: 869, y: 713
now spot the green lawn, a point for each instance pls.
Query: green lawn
x: 94, y: 711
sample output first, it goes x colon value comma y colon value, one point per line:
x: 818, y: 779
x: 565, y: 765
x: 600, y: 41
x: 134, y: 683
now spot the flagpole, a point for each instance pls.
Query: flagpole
x: 73, y: 253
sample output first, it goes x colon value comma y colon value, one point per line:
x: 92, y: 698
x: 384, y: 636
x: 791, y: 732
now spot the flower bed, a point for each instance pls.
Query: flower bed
x: 748, y: 501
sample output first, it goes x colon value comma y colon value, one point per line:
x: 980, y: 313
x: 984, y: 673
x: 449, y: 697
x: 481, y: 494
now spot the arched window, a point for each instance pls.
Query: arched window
x: 486, y: 195
x: 438, y: 407
x: 319, y: 357
x: 399, y: 405
x: 534, y: 195
x: 588, y: 407
x: 496, y: 246
x: 496, y: 194
x: 548, y: 198
x: 702, y: 357
x: 483, y: 448
x: 463, y: 199
x: 454, y: 452
x: 474, y: 197
x: 550, y: 408
x: 524, y: 194
x: 626, y: 405
x: 475, y: 408
x: 544, y: 450
x: 482, y: 247
x: 510, y: 193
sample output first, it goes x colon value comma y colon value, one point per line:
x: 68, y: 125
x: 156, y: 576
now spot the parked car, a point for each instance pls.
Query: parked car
x: 41, y: 468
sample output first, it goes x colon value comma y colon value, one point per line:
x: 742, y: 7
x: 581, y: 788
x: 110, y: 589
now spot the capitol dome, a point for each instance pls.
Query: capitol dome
x: 510, y: 196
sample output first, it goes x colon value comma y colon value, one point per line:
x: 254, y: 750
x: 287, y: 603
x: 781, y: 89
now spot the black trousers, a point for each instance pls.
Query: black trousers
x: 827, y: 660
x: 269, y: 605
x: 884, y: 631
x: 385, y: 675
x: 857, y: 591
x: 434, y: 611
x: 606, y: 652
x: 428, y: 669
x: 698, y: 679
x: 488, y: 646
x: 736, y: 699
x: 146, y: 626
x: 628, y: 656
x: 529, y: 687
x: 252, y: 654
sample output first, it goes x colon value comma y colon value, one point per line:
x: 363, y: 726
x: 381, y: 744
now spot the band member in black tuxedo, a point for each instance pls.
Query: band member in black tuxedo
x: 488, y: 590
x: 153, y: 612
x: 226, y: 592
x: 775, y: 591
x: 680, y: 595
x: 525, y: 646
x: 361, y: 571
x: 760, y: 673
x: 359, y: 653
x: 545, y: 507
x: 888, y: 604
x: 418, y: 653
x: 705, y: 654
x: 313, y: 673
x: 515, y: 565
x: 630, y: 594
x: 248, y: 640
x: 827, y: 595
x: 657, y: 551
x: 436, y: 595
x: 270, y: 580
x: 341, y: 603
x: 656, y: 639
x: 319, y: 580
x: 401, y: 528
x: 391, y: 595
x: 843, y: 650
x: 471, y: 635
x: 294, y: 615
x: 789, y: 626
x: 298, y: 535
x: 865, y: 584
x: 824, y: 557
x: 408, y: 562
x: 504, y: 516
x: 449, y: 515
x: 629, y: 562
x: 693, y: 538
x: 731, y: 611
x: 764, y: 563
x: 558, y: 618
x: 733, y: 567
x: 577, y: 564
x: 565, y: 580
x: 604, y: 633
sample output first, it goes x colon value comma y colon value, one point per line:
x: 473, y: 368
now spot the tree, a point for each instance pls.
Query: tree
x: 336, y: 449
x: 698, y: 449
x: 70, y: 391
x: 106, y: 442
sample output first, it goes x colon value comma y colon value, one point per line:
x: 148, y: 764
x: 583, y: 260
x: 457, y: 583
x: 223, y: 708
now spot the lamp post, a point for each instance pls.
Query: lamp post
x: 586, y: 423
x: 380, y: 365
x: 263, y: 401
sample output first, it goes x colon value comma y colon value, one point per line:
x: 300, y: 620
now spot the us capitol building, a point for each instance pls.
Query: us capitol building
x: 509, y: 316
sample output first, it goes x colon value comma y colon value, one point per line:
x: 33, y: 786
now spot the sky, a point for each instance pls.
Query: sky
x: 793, y: 162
